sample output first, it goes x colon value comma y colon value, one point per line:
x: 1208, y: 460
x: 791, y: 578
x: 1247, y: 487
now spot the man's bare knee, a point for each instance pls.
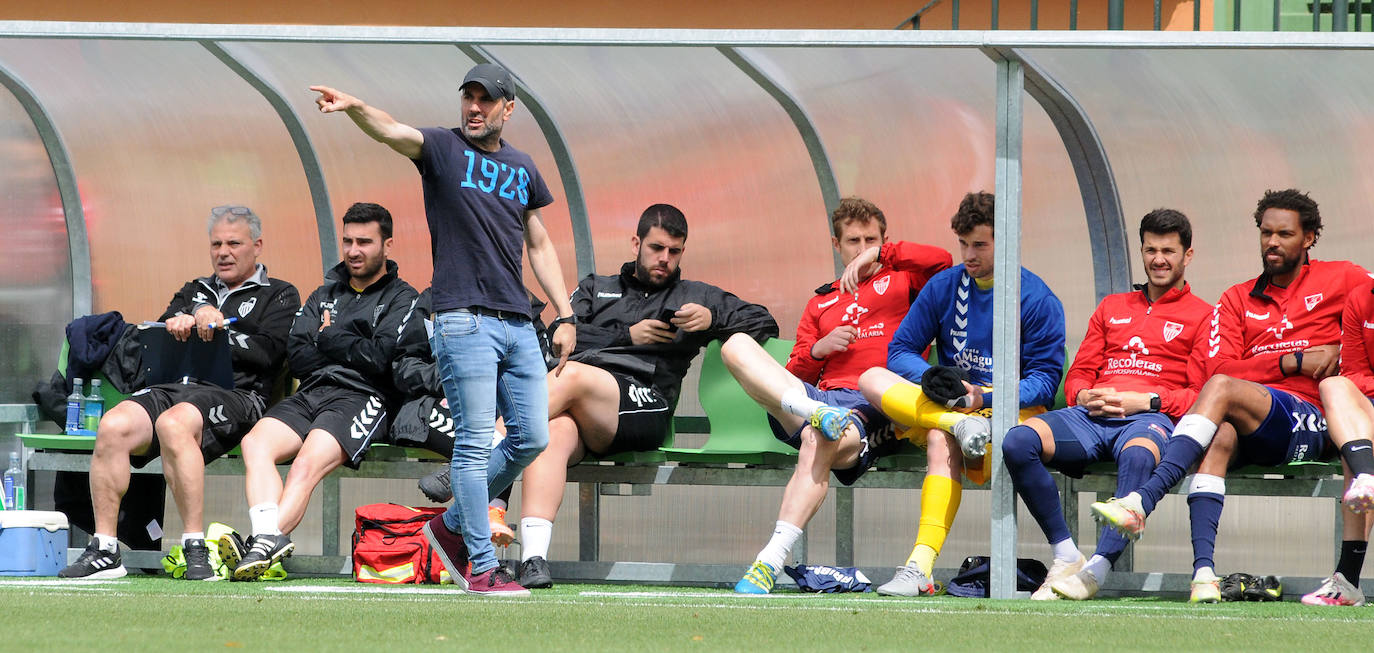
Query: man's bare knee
x: 179, y: 425
x: 735, y: 348
x: 122, y: 430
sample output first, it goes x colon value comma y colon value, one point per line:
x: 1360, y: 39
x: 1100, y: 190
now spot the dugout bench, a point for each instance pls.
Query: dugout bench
x: 739, y: 451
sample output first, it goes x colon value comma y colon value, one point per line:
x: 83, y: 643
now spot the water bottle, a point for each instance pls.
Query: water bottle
x: 94, y: 409
x: 14, y: 484
x: 74, y: 405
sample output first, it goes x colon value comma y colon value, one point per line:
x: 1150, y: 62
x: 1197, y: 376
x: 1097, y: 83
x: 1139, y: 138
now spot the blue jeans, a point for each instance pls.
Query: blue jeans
x: 489, y: 366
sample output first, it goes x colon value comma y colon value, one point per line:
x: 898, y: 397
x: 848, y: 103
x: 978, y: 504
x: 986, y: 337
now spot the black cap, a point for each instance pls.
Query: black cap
x: 494, y: 78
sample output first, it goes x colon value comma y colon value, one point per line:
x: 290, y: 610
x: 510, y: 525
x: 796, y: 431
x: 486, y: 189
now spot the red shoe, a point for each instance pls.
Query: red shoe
x: 496, y: 581
x: 453, y: 552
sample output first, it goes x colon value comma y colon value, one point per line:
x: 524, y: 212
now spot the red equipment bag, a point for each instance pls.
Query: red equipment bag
x: 390, y: 547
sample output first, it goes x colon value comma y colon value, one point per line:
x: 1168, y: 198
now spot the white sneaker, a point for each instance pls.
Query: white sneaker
x: 1360, y: 497
x: 1058, y: 569
x: 1335, y: 590
x: 910, y: 581
x: 1078, y: 587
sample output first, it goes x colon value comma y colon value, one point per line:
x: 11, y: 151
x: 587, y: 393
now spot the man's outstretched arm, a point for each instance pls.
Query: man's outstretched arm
x: 374, y: 122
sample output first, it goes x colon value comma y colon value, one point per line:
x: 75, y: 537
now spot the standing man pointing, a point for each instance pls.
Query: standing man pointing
x: 482, y: 201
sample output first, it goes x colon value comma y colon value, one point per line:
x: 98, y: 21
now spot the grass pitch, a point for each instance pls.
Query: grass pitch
x: 311, y: 614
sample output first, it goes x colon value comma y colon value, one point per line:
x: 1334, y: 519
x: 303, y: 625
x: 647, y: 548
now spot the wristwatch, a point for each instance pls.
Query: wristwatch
x: 1155, y: 403
x: 571, y: 319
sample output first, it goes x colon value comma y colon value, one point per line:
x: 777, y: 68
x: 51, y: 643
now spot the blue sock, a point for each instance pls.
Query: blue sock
x: 1180, y: 453
x: 1021, y: 453
x: 1133, y: 466
x: 1204, y: 512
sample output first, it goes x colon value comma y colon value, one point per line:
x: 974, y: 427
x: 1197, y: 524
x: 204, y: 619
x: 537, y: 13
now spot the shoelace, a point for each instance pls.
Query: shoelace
x: 197, y: 555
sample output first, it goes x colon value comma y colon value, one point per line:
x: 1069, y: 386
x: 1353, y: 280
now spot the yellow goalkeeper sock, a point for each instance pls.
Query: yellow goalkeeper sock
x: 939, y: 504
x: 908, y: 406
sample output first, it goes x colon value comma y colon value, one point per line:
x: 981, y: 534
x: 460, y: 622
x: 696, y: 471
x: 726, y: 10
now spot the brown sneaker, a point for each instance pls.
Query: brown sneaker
x: 453, y: 552
x: 496, y: 581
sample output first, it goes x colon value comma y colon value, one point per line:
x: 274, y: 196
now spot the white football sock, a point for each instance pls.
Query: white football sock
x: 535, y: 535
x: 1099, y: 567
x: 795, y: 402
x: 107, y: 543
x: 1197, y: 427
x: 186, y: 538
x: 775, y: 553
x: 1066, y: 550
x: 263, y: 519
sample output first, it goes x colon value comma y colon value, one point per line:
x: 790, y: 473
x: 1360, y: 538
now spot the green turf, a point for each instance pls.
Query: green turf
x: 330, y: 614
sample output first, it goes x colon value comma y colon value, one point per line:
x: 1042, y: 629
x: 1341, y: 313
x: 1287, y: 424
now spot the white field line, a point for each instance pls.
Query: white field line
x: 721, y: 601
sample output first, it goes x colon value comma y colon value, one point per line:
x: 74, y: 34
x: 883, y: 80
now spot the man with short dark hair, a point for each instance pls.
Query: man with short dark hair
x: 192, y: 423
x: 814, y: 404
x: 954, y: 311
x: 341, y: 346
x: 482, y: 201
x: 1140, y: 364
x: 637, y: 333
x: 1270, y: 340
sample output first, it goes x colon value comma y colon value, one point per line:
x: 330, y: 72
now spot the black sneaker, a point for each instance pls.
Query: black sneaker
x: 1233, y: 587
x: 436, y: 486
x: 266, y: 551
x: 95, y: 564
x: 534, y: 573
x: 232, y: 548
x: 198, y: 561
x: 1268, y: 588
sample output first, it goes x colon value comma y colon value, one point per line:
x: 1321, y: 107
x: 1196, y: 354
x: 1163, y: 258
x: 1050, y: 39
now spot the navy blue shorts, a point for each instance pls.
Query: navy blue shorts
x: 1081, y: 439
x: 1294, y: 431
x: 874, y: 429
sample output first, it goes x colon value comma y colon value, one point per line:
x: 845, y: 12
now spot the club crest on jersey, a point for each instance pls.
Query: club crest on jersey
x: 1171, y: 331
x: 1312, y: 300
x: 247, y: 307
x: 880, y: 286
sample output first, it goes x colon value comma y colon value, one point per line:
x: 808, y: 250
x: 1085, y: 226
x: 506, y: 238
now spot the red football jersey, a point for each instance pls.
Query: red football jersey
x: 1138, y: 346
x: 1357, y: 338
x: 1256, y: 322
x: 876, y: 309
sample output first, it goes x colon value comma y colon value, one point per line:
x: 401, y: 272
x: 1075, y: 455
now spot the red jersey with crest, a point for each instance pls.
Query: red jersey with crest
x: 1256, y: 322
x: 876, y: 309
x: 1135, y: 345
x: 1357, y: 338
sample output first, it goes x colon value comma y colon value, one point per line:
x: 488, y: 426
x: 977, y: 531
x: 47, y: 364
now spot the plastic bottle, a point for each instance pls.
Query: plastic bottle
x: 75, y: 402
x: 14, y: 484
x: 94, y: 409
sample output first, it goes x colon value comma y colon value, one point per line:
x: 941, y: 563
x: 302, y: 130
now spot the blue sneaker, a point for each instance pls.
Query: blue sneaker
x: 758, y: 580
x: 831, y: 421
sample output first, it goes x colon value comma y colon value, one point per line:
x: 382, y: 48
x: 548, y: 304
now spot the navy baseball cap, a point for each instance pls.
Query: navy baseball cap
x: 494, y: 78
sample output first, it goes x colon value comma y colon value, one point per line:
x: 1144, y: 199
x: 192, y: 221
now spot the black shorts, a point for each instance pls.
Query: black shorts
x: 424, y: 423
x: 227, y: 415
x: 355, y: 419
x: 644, y: 420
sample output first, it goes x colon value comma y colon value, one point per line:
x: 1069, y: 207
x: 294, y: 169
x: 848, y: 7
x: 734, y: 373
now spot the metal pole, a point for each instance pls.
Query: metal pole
x: 1073, y: 14
x: 78, y: 243
x: 820, y: 160
x: 1277, y: 13
x: 305, y: 149
x: 1006, y: 331
x: 1116, y: 14
x: 1340, y: 15
x: 996, y: 13
x: 1158, y: 11
x: 1035, y: 14
x: 954, y: 15
x: 1197, y: 14
x: 1235, y: 17
x: 1316, y: 15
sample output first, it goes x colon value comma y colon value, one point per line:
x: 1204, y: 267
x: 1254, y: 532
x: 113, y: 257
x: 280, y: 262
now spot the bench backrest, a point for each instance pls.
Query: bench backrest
x: 737, y: 422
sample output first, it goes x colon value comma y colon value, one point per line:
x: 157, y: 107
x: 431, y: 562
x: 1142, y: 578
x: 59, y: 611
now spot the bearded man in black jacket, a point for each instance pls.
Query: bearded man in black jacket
x: 637, y: 333
x: 341, y: 347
